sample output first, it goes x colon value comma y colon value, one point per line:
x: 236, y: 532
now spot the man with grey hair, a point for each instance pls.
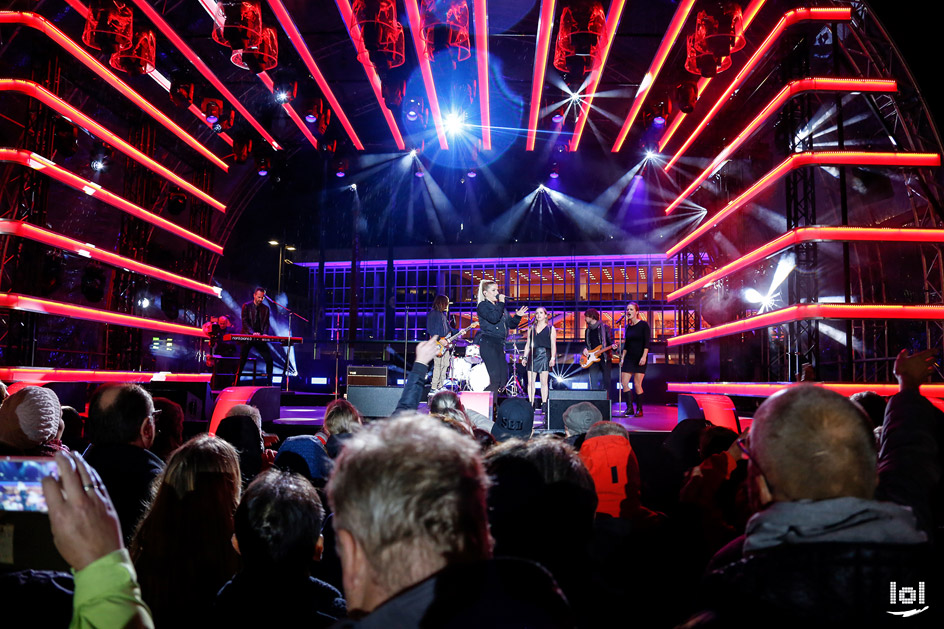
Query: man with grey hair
x: 821, y: 549
x: 408, y: 496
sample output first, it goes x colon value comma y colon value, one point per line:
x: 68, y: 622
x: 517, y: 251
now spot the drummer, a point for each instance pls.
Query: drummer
x: 439, y: 323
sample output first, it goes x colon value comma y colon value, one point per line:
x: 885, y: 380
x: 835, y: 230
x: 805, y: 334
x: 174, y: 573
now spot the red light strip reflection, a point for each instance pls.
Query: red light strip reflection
x: 789, y: 91
x: 88, y: 250
x: 841, y: 14
x: 671, y: 34
x: 41, y: 94
x: 202, y: 67
x: 805, y: 312
x: 413, y: 12
x: 288, y: 25
x: 545, y: 26
x: 810, y: 234
x: 40, y: 23
x: 69, y: 178
x: 481, y: 59
x: 766, y: 389
x: 798, y: 160
x: 15, y: 301
x: 42, y: 375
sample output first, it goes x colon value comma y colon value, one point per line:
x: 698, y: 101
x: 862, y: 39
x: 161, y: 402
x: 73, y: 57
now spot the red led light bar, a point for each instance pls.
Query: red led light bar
x: 766, y: 389
x: 798, y: 160
x: 88, y: 250
x: 288, y: 25
x: 14, y: 301
x: 419, y: 42
x: 207, y: 73
x: 347, y: 14
x: 42, y: 375
x: 839, y: 14
x: 810, y: 234
x: 481, y: 60
x: 789, y: 91
x: 545, y: 26
x: 67, y: 177
x: 43, y: 95
x: 749, y: 14
x: 267, y: 81
x: 40, y: 23
x: 805, y: 312
x: 671, y: 34
x: 612, y: 24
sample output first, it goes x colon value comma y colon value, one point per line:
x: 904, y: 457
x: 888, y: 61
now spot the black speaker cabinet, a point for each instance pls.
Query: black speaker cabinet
x: 374, y: 401
x: 366, y: 376
x: 193, y: 397
x: 561, y: 400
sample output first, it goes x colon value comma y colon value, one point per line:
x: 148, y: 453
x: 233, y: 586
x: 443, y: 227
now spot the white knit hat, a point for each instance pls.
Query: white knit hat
x: 29, y: 418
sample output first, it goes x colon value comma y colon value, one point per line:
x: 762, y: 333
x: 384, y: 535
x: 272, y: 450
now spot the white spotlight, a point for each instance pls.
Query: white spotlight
x: 453, y: 122
x: 353, y: 187
x: 412, y: 152
x: 752, y: 296
x: 650, y: 154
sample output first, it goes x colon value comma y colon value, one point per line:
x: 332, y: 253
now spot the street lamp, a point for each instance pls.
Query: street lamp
x: 282, y: 260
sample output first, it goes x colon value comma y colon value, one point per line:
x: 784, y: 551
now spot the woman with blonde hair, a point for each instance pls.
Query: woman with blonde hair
x: 494, y: 323
x: 540, y: 354
x: 182, y: 549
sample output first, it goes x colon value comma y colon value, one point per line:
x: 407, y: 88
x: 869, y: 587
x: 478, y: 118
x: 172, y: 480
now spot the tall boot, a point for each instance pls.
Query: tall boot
x: 630, y: 401
x: 638, y: 403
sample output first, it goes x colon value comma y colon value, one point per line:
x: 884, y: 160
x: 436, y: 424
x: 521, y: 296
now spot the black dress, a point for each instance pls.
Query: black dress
x: 494, y: 322
x: 540, y: 354
x: 636, y: 340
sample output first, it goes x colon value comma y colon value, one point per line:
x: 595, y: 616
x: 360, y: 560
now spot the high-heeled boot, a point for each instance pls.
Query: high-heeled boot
x: 638, y: 397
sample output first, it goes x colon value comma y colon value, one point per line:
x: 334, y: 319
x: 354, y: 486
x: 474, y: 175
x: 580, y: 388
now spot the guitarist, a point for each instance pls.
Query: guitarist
x: 439, y: 324
x: 598, y: 334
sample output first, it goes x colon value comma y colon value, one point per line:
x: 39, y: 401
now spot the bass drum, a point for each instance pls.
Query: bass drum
x: 460, y: 370
x: 473, y: 355
x: 478, y: 378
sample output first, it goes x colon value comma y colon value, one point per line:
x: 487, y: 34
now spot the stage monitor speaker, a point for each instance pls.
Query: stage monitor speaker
x: 718, y: 409
x: 267, y: 399
x: 561, y: 400
x: 366, y: 376
x: 374, y: 401
x: 479, y: 401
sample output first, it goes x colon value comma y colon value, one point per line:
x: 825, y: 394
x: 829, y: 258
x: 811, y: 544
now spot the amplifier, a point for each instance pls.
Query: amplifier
x: 366, y: 376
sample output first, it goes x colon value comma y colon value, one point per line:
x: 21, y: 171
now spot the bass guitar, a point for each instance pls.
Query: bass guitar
x: 443, y: 344
x: 594, y: 355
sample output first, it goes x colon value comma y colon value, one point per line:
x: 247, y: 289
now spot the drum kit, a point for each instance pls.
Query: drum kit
x: 467, y: 372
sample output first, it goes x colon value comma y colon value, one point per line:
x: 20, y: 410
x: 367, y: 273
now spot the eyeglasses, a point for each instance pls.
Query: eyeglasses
x: 743, y: 445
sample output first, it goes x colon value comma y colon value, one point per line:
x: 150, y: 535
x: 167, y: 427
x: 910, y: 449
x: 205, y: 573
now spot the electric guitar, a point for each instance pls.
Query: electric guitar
x: 594, y: 355
x: 443, y: 344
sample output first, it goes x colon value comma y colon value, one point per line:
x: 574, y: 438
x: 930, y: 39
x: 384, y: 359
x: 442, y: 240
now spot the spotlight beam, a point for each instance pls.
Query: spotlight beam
x: 799, y: 160
x: 749, y: 14
x: 837, y: 14
x: 40, y: 93
x: 668, y: 41
x: 347, y: 15
x: 481, y: 52
x: 794, y: 88
x: 413, y: 12
x: 69, y: 178
x: 202, y: 67
x: 612, y: 25
x: 545, y: 25
x: 45, y: 27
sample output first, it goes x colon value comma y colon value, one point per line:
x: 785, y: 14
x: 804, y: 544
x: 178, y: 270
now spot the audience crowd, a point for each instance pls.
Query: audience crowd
x: 826, y: 512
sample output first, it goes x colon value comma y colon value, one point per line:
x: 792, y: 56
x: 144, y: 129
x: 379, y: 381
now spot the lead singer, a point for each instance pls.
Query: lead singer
x: 494, y: 322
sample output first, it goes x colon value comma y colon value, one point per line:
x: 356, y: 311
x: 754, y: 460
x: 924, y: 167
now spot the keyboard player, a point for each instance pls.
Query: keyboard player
x: 255, y: 322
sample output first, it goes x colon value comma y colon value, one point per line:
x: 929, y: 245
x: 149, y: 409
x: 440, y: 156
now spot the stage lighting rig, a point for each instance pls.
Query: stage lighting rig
x: 285, y: 90
x: 212, y: 108
x: 182, y: 88
x: 98, y: 158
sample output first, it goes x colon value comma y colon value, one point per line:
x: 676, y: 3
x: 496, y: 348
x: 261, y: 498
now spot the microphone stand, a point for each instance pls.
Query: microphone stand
x: 288, y: 346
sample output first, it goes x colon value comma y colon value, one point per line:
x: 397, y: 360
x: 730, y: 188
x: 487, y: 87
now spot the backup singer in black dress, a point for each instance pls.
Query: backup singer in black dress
x: 494, y: 323
x: 634, y: 358
x: 541, y: 352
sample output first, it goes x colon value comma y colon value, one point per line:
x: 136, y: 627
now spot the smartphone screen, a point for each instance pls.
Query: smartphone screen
x: 21, y: 487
